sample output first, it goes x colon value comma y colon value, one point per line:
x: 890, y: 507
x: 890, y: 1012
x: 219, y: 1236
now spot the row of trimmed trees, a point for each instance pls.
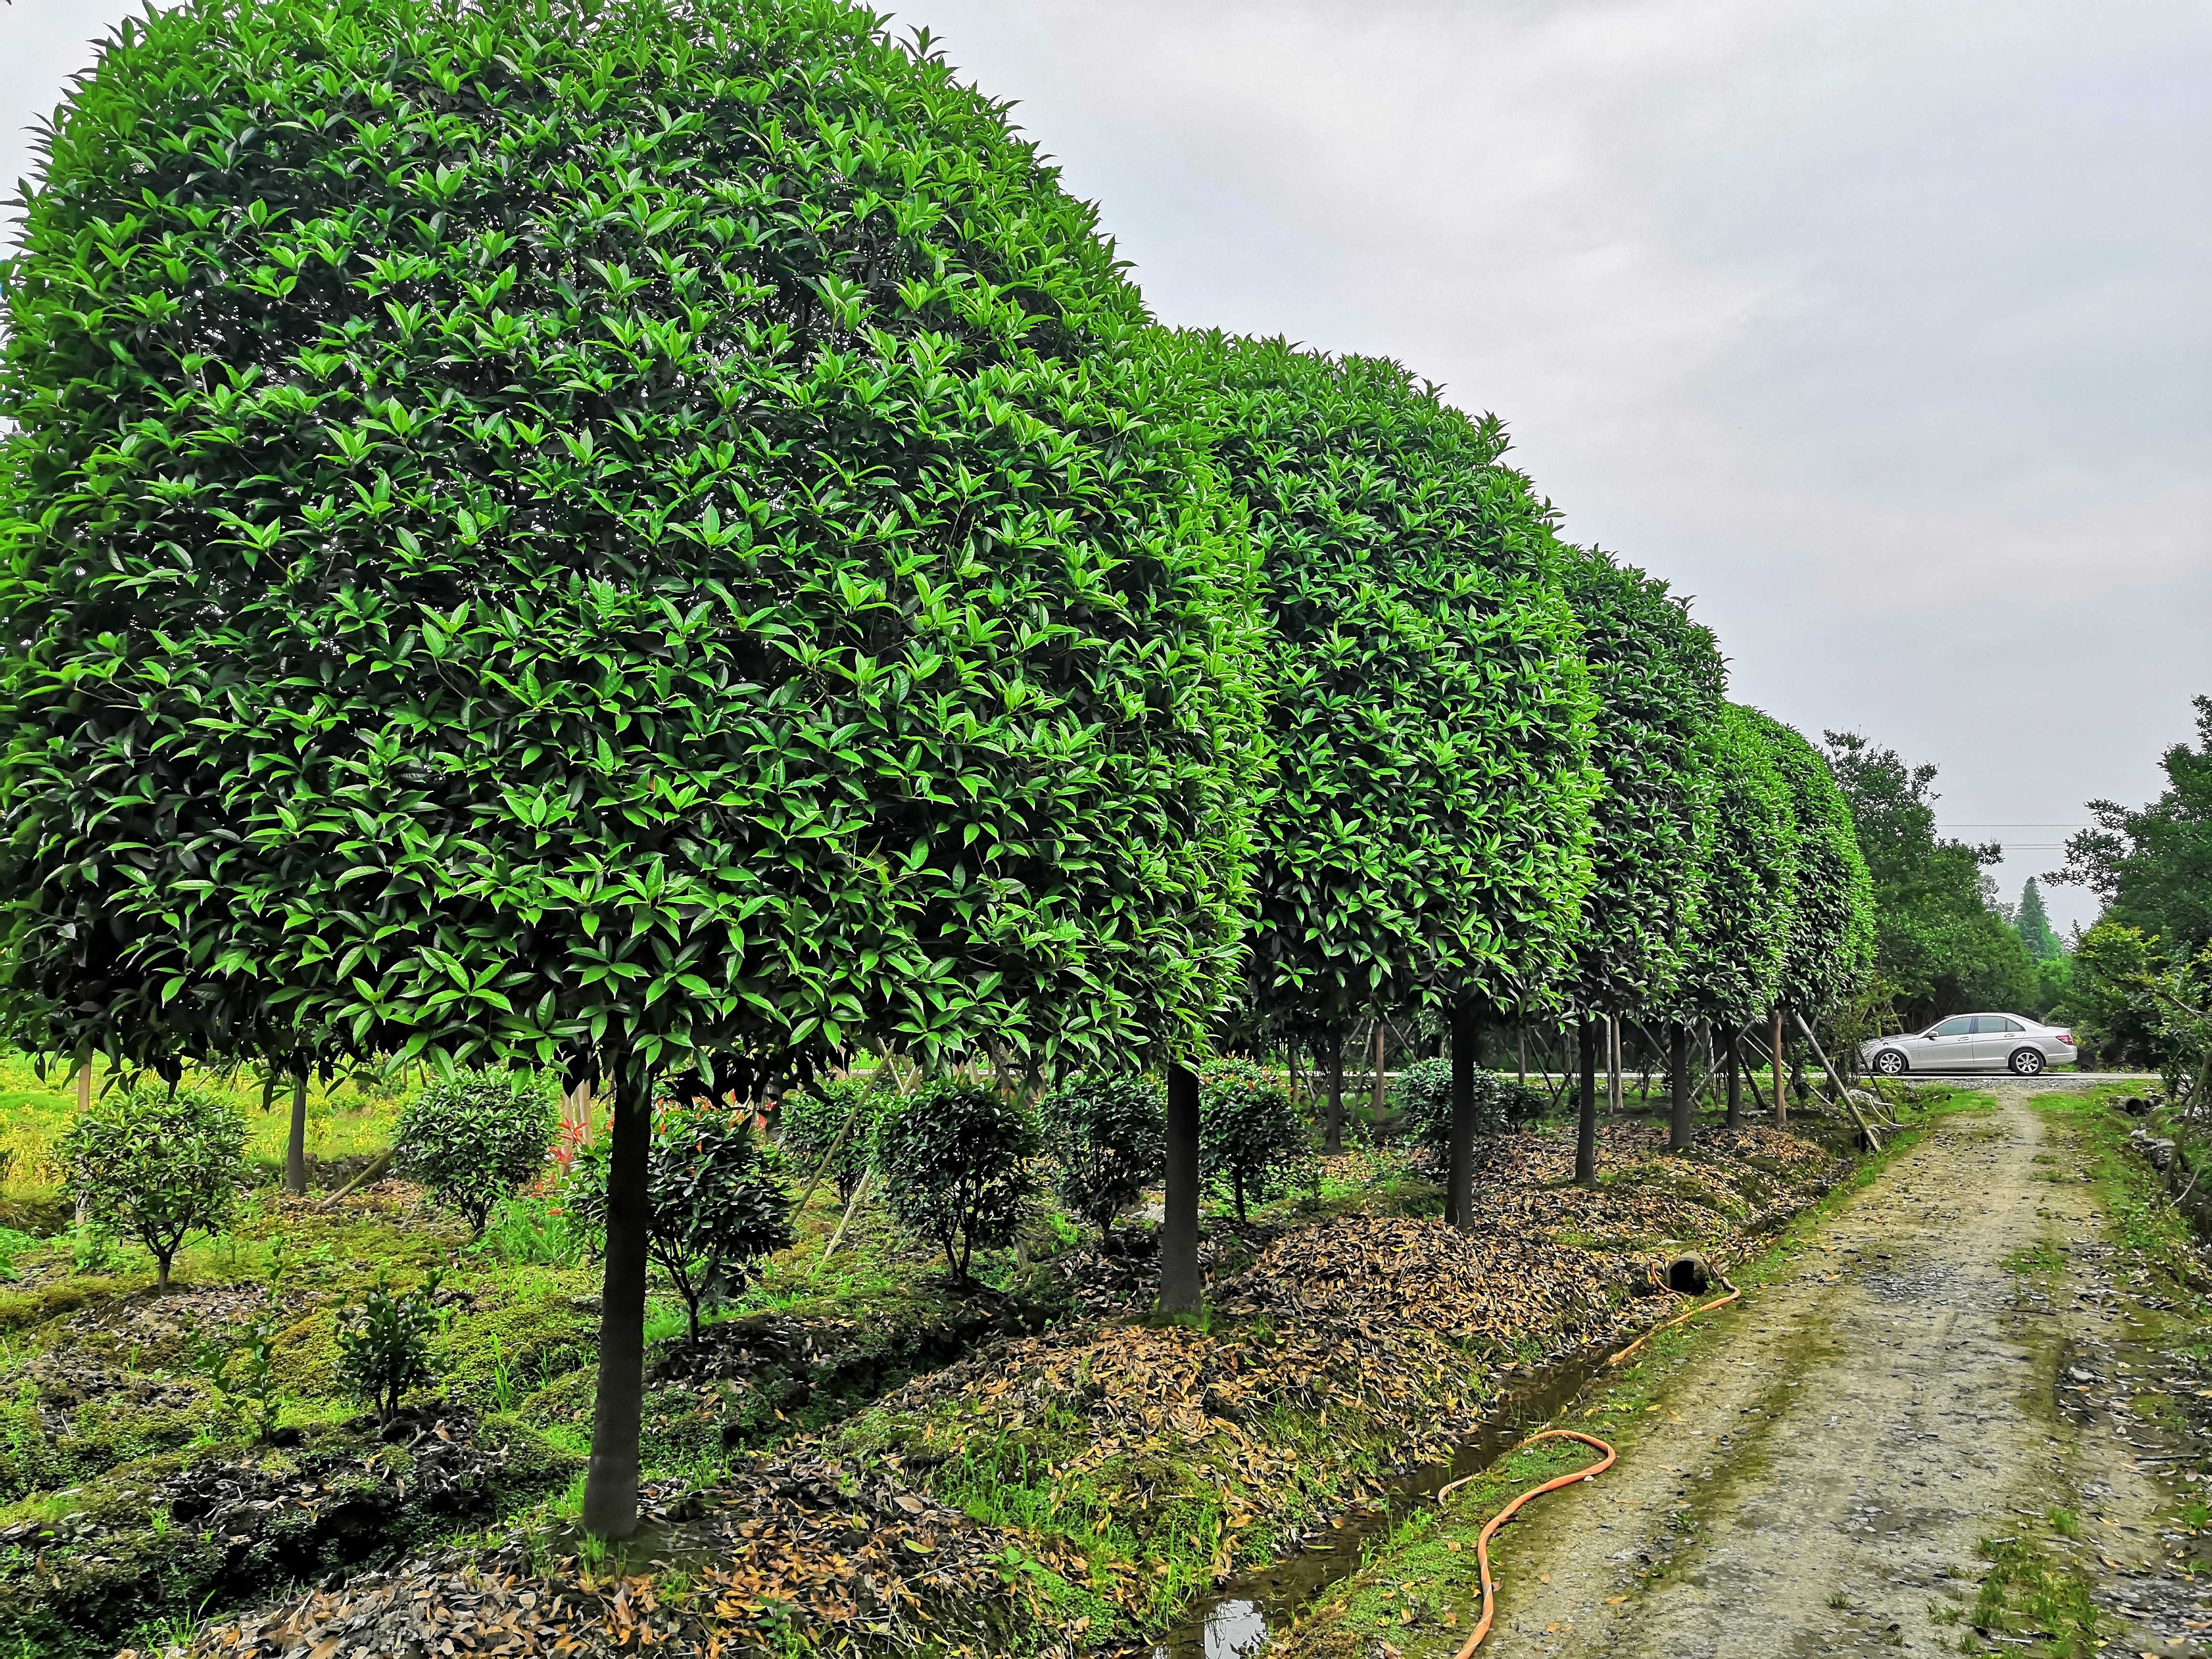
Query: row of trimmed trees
x: 659, y: 542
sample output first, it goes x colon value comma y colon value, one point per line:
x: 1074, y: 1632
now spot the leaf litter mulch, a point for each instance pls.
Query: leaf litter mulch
x: 1350, y: 1350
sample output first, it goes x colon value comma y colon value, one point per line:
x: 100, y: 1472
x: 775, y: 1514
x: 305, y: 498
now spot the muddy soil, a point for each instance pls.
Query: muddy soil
x: 1825, y: 1462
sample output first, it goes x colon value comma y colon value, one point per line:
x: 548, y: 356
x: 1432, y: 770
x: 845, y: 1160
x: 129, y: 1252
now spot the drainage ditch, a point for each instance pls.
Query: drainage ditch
x: 1238, y: 1617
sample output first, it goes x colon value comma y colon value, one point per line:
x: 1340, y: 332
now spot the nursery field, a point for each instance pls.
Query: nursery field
x: 804, y: 939
x: 854, y: 1454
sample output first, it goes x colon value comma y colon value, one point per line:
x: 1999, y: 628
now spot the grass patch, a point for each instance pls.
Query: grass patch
x: 2139, y: 1217
x: 2041, y: 1260
x: 2027, y: 1594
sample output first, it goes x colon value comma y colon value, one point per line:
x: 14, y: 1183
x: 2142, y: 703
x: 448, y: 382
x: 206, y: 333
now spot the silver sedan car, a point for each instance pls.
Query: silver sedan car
x: 1973, y: 1042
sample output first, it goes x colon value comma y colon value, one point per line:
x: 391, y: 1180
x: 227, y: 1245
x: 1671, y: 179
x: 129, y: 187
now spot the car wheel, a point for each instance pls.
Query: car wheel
x: 1889, y: 1063
x: 2027, y: 1062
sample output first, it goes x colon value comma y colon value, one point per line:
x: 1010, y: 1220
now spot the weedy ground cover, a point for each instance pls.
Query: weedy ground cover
x: 151, y: 1471
x: 1079, y: 1484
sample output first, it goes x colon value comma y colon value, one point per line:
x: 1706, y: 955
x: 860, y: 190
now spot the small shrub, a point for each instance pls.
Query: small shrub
x: 241, y: 1369
x: 956, y: 1164
x: 91, y: 1248
x: 384, y: 1345
x: 835, y: 1115
x: 1249, y: 1135
x: 719, y: 1203
x: 1424, y: 1100
x: 474, y: 1137
x: 157, y: 1166
x: 1109, y: 1135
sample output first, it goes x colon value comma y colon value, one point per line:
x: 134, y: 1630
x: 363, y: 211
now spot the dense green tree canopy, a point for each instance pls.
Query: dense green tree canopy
x: 545, y: 523
x: 1831, y: 911
x: 1658, y: 681
x: 2153, y: 867
x: 1428, y: 707
x: 1940, y: 945
x: 1739, y: 944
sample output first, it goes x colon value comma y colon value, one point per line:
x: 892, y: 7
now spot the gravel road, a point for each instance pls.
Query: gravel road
x: 1825, y: 1462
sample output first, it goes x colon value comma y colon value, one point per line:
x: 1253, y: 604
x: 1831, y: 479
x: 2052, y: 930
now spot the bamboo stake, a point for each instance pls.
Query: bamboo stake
x: 1781, y: 1082
x: 859, y: 1188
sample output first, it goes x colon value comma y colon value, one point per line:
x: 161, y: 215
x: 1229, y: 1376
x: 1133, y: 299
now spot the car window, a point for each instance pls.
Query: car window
x: 1992, y: 1026
x: 2014, y: 1026
x: 1957, y: 1025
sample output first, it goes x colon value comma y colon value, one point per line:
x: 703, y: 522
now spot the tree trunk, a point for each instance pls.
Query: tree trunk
x: 1521, y: 1055
x: 1732, y: 1057
x: 83, y: 1108
x: 1459, y: 1188
x: 1381, y: 1103
x: 161, y: 1274
x: 1586, y: 1128
x: 610, y: 1482
x: 1332, y: 1129
x: 295, y: 1143
x: 1678, y: 1067
x: 1781, y: 1088
x: 1182, y: 1286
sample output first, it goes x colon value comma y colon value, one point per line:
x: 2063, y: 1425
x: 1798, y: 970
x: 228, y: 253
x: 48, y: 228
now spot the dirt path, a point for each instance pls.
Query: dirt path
x: 1820, y: 1473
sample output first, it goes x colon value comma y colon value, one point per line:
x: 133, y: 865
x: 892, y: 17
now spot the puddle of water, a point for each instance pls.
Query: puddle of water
x: 1237, y: 1618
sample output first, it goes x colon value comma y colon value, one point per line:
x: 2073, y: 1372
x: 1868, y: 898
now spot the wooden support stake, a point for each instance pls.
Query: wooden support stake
x: 1781, y: 1082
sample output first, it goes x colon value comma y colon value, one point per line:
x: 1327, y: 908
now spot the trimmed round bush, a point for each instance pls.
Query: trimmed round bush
x: 156, y: 1166
x: 834, y: 1118
x: 1739, y: 944
x: 1108, y: 1133
x: 473, y: 1139
x: 1423, y: 1092
x: 592, y: 499
x: 956, y: 1161
x: 1832, y: 916
x: 1658, y: 679
x: 1250, y: 1136
x: 1427, y: 703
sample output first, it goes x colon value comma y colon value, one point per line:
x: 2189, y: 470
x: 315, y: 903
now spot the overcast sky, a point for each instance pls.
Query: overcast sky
x: 1883, y: 328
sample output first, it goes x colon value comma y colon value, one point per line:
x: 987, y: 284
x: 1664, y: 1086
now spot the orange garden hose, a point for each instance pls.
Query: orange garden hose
x: 1482, y: 1543
x: 1679, y: 1319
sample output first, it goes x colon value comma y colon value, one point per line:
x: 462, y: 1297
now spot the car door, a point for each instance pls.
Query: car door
x: 1947, y: 1046
x: 1996, y: 1036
